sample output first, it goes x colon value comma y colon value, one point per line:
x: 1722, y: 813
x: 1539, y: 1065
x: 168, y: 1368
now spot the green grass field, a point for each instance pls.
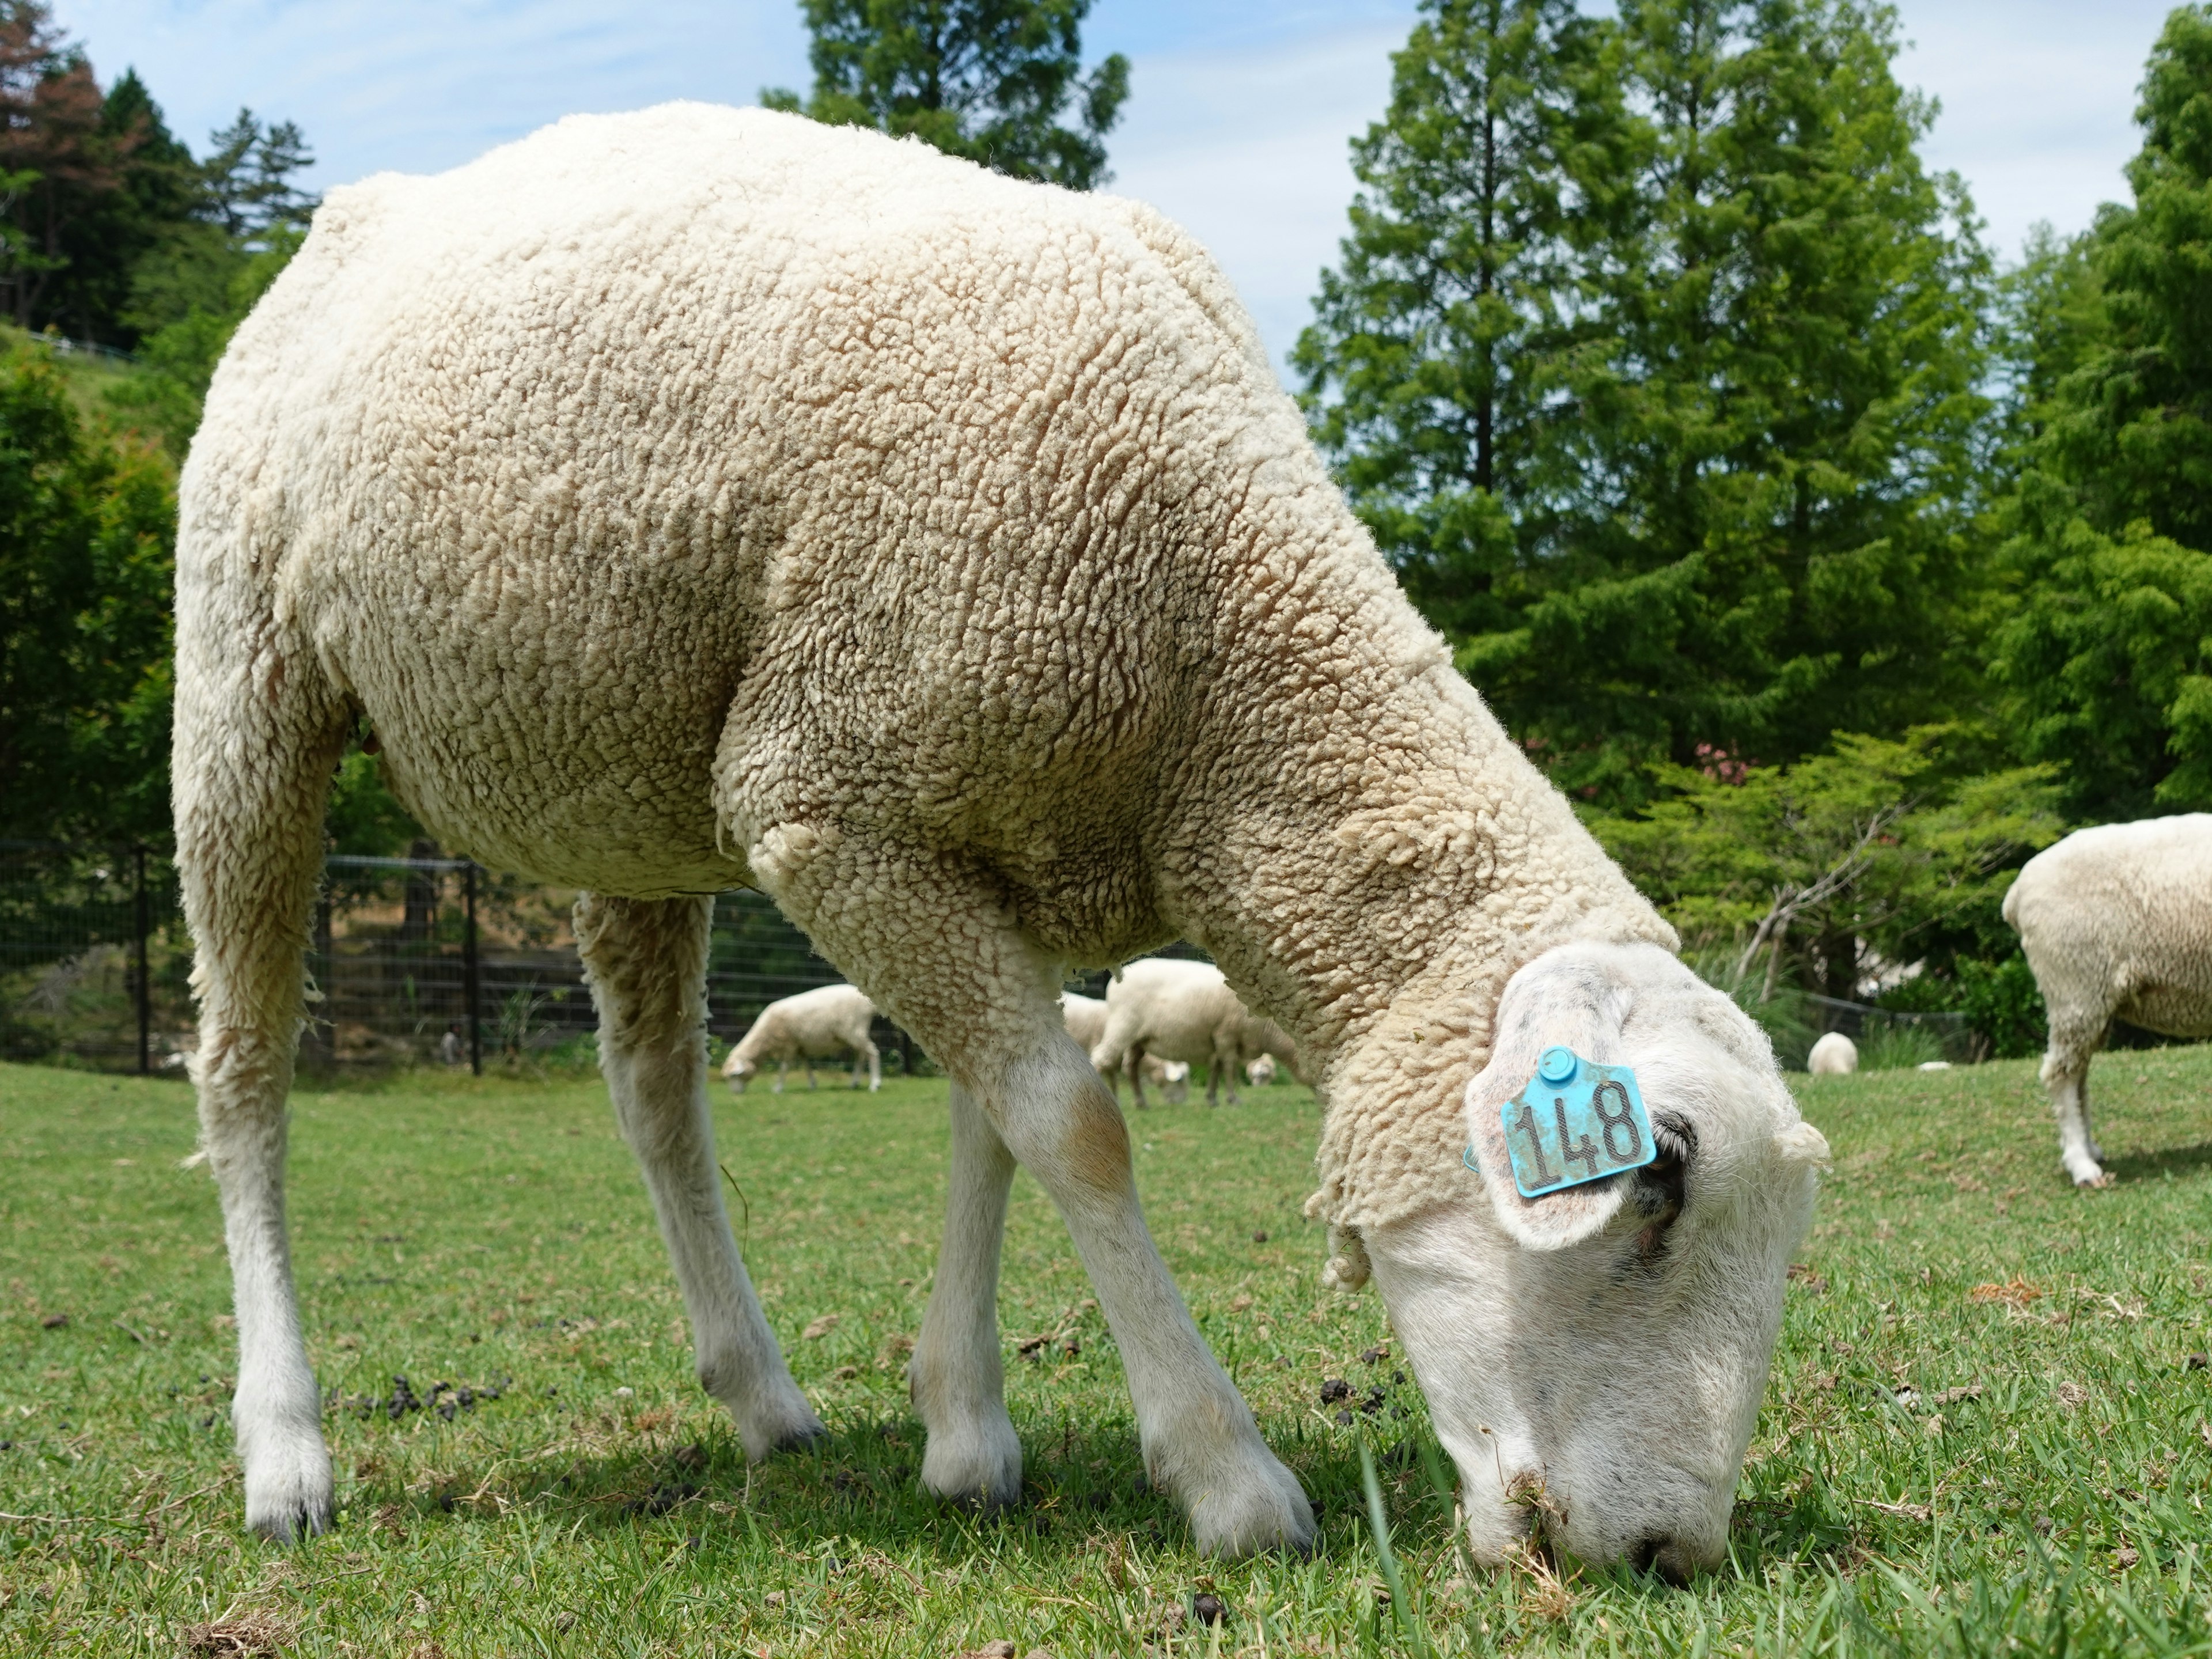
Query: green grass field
x: 1984, y: 1433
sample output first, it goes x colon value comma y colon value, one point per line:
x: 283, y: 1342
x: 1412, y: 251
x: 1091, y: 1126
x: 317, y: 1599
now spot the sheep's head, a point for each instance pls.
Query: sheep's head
x: 737, y: 1067
x: 1594, y: 1357
x: 1261, y: 1071
x: 1175, y: 1081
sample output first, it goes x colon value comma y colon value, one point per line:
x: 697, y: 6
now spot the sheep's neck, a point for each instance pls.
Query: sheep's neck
x: 1384, y: 856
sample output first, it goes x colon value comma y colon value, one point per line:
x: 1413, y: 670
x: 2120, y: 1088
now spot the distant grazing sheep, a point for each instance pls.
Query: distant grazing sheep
x: 1086, y: 1024
x: 1262, y: 1072
x: 1185, y: 1011
x: 1833, y: 1055
x: 697, y: 497
x: 824, y: 1024
x: 2116, y: 924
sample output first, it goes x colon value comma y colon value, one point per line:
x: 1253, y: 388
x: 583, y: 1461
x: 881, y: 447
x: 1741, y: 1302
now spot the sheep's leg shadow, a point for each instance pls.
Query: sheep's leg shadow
x: 932, y: 945
x: 2066, y: 1074
x: 646, y: 961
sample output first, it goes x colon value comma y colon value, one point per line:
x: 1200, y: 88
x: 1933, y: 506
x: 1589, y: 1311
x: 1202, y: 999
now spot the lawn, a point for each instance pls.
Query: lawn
x: 1985, y: 1432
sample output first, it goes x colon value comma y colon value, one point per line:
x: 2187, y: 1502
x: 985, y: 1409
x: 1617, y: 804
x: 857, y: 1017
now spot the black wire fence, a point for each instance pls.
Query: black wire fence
x: 412, y: 962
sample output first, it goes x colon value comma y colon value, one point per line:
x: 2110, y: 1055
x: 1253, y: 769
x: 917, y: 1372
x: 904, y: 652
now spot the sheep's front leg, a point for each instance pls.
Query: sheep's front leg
x: 954, y: 1376
x: 647, y: 964
x: 2066, y: 1074
x: 1132, y: 1064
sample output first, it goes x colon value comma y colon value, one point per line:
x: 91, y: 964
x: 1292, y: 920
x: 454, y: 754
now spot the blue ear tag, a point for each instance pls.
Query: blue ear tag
x: 1576, y: 1121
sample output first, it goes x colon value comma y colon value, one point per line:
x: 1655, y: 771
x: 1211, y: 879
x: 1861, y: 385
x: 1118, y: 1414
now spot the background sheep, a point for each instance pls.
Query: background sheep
x: 1833, y: 1055
x: 1086, y: 1024
x: 2116, y: 924
x: 1184, y: 1011
x: 699, y: 497
x: 818, y: 1024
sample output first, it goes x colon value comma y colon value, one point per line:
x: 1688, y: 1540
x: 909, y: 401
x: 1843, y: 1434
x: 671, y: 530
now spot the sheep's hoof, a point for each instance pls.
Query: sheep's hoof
x: 2101, y: 1178
x: 977, y: 1465
x: 1265, y: 1510
x: 287, y: 1490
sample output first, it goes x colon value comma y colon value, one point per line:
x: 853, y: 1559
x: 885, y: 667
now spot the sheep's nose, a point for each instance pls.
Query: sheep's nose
x: 1666, y: 1557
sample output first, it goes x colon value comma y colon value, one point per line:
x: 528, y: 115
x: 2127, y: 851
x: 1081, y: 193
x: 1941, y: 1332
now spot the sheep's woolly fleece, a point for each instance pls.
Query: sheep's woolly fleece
x: 697, y: 488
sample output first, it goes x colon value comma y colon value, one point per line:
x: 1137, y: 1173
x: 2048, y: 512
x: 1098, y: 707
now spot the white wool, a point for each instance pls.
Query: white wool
x: 1086, y: 1024
x: 2116, y: 924
x: 1833, y: 1055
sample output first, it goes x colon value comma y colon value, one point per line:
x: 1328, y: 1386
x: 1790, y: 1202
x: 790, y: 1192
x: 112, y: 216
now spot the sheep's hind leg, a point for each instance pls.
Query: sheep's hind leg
x: 935, y: 948
x: 955, y: 1378
x: 2066, y: 1074
x: 253, y: 756
x: 646, y: 961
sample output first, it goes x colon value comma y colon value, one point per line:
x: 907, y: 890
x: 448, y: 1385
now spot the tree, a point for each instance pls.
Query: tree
x: 87, y: 534
x: 56, y: 158
x: 1896, y: 851
x: 990, y: 80
x: 2106, y: 656
x: 1758, y: 524
x: 1436, y: 362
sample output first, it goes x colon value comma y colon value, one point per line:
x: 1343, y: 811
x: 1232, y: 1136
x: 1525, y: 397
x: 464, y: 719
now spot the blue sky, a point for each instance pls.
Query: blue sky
x: 1235, y: 125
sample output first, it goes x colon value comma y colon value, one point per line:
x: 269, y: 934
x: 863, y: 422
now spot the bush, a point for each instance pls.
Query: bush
x: 2001, y: 1000
x: 1895, y: 1046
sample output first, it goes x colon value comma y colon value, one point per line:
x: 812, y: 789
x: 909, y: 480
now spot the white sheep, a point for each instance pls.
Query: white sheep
x: 1184, y: 1011
x: 818, y: 1024
x: 2116, y: 924
x: 1833, y: 1055
x: 699, y: 497
x: 1086, y: 1024
x: 1262, y: 1072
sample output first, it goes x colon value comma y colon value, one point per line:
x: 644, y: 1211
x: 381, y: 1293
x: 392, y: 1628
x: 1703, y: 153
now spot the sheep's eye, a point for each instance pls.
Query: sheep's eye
x: 1661, y: 1186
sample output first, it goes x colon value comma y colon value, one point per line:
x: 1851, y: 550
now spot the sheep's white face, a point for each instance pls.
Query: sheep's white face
x: 738, y: 1068
x: 1261, y: 1071
x: 1593, y: 1359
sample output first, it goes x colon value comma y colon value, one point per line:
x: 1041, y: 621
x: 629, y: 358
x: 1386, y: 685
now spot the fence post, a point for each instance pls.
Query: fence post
x: 142, y: 921
x: 469, y: 987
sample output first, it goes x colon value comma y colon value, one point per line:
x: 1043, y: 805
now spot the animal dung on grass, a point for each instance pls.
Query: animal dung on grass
x: 819, y: 1328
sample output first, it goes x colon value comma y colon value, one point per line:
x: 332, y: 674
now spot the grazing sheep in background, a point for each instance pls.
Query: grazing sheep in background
x: 2116, y: 924
x: 1086, y: 1024
x: 1261, y: 1073
x: 1833, y: 1055
x: 699, y: 497
x: 818, y: 1024
x: 1184, y: 1011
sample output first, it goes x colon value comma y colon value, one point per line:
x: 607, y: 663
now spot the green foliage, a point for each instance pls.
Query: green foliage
x: 1892, y: 848
x: 2001, y: 1001
x: 87, y: 537
x: 364, y: 819
x: 991, y: 80
x: 2107, y: 655
x: 179, y: 356
x: 1441, y: 350
x: 1897, y: 1046
x: 1743, y: 332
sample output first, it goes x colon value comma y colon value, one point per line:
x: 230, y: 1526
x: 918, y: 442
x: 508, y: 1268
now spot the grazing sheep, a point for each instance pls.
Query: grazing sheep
x: 1184, y: 1011
x: 817, y: 1024
x: 700, y: 497
x: 1833, y: 1055
x: 1262, y: 1072
x: 1086, y: 1024
x: 2116, y: 924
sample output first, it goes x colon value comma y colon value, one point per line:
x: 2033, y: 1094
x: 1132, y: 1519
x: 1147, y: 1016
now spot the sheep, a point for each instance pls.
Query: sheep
x: 1833, y: 1055
x: 1184, y: 1011
x: 2116, y: 924
x: 1086, y: 1024
x: 1261, y: 1073
x: 817, y: 1024
x: 697, y: 497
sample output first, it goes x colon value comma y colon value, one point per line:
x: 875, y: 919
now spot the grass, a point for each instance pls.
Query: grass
x: 1983, y: 1434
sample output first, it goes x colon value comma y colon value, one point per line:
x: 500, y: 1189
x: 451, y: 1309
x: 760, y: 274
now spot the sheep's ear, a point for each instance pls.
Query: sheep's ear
x: 1556, y: 999
x: 1801, y: 1143
x: 1553, y: 1221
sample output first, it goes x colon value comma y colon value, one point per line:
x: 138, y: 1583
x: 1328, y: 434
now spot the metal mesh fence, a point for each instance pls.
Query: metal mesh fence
x: 413, y: 960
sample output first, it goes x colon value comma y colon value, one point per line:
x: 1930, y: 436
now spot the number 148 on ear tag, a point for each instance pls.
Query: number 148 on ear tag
x: 1575, y: 1122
